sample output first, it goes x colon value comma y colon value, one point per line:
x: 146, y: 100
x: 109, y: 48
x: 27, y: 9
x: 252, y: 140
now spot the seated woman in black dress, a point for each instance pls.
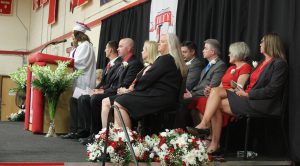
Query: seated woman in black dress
x: 262, y: 95
x: 159, y: 88
x: 149, y: 54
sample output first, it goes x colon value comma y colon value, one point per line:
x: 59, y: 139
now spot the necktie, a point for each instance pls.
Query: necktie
x: 107, y: 68
x: 207, y: 67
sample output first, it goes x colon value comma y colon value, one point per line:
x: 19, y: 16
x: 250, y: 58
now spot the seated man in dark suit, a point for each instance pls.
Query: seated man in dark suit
x: 80, y: 119
x: 123, y: 77
x: 195, y: 65
x: 210, y: 77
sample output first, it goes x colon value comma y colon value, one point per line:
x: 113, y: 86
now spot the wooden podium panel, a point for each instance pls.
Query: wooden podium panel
x: 8, y: 105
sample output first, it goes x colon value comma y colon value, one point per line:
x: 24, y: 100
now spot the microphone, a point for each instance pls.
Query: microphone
x: 54, y: 43
x: 57, y: 42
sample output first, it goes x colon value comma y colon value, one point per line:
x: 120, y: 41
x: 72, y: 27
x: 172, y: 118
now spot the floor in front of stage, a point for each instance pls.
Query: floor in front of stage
x: 19, y: 145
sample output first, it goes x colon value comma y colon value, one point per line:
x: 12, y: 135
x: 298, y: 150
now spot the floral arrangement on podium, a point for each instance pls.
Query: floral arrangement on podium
x: 172, y: 147
x: 53, y: 84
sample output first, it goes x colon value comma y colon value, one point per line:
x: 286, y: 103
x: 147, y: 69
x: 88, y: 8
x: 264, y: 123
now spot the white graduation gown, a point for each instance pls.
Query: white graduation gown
x: 84, y: 59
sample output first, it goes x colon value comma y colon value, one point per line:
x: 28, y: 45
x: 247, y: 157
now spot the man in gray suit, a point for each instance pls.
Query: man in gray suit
x: 195, y: 65
x: 210, y: 77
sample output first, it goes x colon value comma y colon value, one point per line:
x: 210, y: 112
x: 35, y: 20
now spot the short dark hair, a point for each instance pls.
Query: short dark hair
x: 114, y: 45
x: 190, y: 45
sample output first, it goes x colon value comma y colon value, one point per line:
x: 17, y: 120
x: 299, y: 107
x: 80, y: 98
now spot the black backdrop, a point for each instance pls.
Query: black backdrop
x: 133, y: 23
x: 227, y: 21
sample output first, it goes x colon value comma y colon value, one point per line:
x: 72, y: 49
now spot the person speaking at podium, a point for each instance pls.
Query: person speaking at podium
x: 84, y: 59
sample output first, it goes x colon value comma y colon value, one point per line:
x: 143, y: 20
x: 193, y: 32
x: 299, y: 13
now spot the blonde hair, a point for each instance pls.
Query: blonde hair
x: 273, y: 46
x: 175, y: 52
x: 151, y: 48
x: 239, y: 50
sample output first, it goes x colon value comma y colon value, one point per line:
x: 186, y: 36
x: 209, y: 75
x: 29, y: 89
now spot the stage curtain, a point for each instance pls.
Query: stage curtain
x: 133, y: 23
x: 247, y: 20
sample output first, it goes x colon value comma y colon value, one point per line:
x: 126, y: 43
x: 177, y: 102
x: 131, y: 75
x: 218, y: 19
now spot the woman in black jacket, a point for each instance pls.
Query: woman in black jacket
x: 159, y: 88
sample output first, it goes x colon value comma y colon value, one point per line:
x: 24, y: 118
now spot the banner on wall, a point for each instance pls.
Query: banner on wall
x: 5, y: 7
x: 162, y: 18
x: 75, y: 3
x: 82, y: 2
x: 35, y: 4
x: 43, y: 2
x: 52, y: 12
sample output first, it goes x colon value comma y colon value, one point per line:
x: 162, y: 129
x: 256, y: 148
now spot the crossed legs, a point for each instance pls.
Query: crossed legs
x: 216, y: 104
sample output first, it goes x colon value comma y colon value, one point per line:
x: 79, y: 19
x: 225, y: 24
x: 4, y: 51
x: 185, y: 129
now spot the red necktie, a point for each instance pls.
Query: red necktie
x: 107, y: 68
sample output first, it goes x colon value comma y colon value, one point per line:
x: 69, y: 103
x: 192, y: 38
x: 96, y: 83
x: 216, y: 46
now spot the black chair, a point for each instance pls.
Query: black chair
x: 280, y: 117
x: 155, y: 123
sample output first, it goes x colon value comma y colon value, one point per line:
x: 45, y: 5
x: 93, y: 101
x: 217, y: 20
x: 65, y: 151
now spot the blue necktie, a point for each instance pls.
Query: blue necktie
x: 207, y: 67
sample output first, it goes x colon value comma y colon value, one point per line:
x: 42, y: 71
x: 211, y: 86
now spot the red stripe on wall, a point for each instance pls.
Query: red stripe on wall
x: 13, y: 52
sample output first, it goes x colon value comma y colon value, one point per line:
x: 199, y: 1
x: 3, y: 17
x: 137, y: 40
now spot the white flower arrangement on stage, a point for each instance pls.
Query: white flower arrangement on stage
x: 176, y: 147
x: 17, y: 116
x: 172, y: 147
x: 117, y: 149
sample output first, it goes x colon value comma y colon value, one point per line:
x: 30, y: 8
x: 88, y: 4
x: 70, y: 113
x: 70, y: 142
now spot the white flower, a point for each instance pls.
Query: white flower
x: 151, y: 155
x: 112, y: 64
x: 213, y: 62
x: 110, y: 149
x: 146, y: 64
x: 125, y: 64
x: 232, y: 71
x: 188, y: 63
x: 254, y: 64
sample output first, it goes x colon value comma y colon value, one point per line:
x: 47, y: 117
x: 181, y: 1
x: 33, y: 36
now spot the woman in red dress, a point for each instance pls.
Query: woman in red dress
x: 239, y: 72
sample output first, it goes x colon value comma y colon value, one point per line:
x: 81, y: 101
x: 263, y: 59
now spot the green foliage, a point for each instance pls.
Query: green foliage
x: 19, y: 77
x: 53, y: 83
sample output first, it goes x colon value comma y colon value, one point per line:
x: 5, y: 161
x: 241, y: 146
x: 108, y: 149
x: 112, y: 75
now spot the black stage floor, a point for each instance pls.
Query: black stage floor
x: 19, y: 145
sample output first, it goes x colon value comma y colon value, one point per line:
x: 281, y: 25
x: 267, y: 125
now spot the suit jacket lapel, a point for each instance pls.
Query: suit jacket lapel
x: 203, y: 73
x: 263, y: 73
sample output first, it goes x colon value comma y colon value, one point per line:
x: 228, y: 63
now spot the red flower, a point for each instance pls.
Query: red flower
x: 167, y: 158
x: 114, y: 145
x: 171, y: 150
x: 156, y: 159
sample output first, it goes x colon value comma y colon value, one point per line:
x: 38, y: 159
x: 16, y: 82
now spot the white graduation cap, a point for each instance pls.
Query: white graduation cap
x: 79, y: 26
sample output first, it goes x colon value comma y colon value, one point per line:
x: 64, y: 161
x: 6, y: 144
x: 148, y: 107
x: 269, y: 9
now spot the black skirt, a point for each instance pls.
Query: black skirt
x: 139, y: 106
x: 240, y: 105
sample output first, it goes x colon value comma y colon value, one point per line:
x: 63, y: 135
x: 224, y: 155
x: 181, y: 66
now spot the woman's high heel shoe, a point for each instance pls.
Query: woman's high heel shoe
x: 202, y: 133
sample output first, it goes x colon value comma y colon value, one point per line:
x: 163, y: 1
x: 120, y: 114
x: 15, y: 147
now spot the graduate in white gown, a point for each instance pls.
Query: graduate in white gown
x: 84, y: 57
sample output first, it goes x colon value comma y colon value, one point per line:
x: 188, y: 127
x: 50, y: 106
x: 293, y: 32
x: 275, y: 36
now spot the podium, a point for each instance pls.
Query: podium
x: 36, y: 114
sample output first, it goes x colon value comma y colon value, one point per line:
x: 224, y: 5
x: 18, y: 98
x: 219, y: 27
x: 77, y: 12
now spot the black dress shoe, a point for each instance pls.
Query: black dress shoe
x: 87, y: 140
x: 216, y: 152
x: 202, y: 133
x: 69, y: 136
x: 82, y: 134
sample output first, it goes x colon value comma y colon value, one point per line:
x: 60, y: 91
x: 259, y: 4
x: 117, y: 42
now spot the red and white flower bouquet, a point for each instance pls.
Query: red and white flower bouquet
x: 117, y: 149
x: 176, y: 147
